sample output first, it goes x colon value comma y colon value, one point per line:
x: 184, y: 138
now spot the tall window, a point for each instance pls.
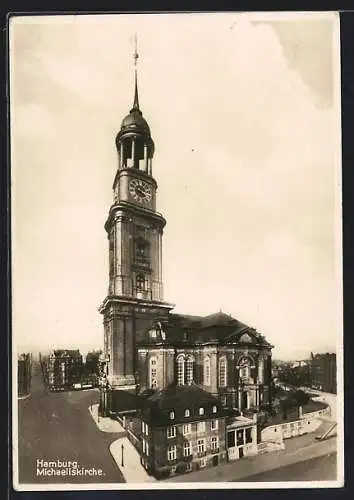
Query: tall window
x: 140, y: 282
x: 180, y: 370
x: 207, y: 371
x: 189, y: 370
x: 214, y: 424
x: 240, y: 440
x: 245, y: 367
x: 153, y: 372
x: 249, y: 435
x: 141, y: 250
x: 172, y: 452
x: 187, y: 429
x: 186, y: 449
x: 214, y: 443
x: 201, y: 445
x: 171, y: 431
x: 222, y: 372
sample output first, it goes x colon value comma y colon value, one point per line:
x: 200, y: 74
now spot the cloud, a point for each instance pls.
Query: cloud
x: 244, y: 162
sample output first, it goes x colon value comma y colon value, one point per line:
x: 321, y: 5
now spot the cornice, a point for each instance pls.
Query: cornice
x: 125, y: 211
x: 134, y: 302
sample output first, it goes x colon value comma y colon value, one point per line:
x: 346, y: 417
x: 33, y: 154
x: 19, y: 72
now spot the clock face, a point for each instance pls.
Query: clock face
x: 140, y: 190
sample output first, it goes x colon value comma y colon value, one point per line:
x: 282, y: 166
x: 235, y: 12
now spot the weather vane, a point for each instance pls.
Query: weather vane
x: 136, y: 55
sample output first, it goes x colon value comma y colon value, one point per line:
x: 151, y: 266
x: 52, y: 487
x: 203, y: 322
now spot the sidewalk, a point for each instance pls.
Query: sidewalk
x: 105, y: 424
x: 250, y: 466
x: 132, y: 469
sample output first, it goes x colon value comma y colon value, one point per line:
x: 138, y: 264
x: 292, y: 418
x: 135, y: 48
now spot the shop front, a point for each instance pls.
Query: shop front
x: 241, y: 438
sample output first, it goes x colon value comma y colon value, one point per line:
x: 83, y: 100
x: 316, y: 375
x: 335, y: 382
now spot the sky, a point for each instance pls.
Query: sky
x: 244, y: 112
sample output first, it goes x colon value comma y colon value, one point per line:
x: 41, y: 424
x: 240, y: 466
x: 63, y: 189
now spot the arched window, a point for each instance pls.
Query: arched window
x: 245, y: 364
x: 141, y: 250
x: 206, y: 375
x: 222, y: 372
x: 140, y: 282
x: 153, y: 372
x: 180, y: 370
x: 189, y: 370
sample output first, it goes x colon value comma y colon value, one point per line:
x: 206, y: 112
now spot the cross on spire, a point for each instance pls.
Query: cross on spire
x: 136, y: 55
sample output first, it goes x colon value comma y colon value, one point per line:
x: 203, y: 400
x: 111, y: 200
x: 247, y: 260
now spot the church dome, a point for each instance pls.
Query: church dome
x: 135, y: 122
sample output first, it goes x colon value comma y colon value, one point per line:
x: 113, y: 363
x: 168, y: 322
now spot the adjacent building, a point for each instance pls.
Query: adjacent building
x: 323, y: 372
x: 64, y: 368
x: 24, y: 374
x: 183, y: 428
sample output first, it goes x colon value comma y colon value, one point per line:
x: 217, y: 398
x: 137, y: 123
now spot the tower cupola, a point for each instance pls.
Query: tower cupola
x: 134, y: 143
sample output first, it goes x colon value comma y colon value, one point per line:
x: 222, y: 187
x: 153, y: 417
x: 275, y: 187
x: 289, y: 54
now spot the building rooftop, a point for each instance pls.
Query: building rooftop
x: 187, y: 396
x: 215, y: 328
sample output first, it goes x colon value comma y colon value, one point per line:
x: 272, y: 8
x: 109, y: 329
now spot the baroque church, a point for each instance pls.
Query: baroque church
x: 147, y: 347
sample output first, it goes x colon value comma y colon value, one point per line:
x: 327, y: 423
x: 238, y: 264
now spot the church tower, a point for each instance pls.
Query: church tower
x: 135, y: 292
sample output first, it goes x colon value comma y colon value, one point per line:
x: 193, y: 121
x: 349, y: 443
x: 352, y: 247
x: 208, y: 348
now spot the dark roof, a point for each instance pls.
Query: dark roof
x: 135, y: 122
x: 214, y: 319
x: 180, y: 395
x: 214, y: 328
x: 124, y: 401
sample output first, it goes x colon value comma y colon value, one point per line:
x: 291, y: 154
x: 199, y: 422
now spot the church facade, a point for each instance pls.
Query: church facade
x: 147, y: 347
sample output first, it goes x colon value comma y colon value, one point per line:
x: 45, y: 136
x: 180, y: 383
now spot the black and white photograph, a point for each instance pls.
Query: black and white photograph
x: 176, y: 242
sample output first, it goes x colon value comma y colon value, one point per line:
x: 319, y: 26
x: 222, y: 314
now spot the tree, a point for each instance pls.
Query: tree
x: 301, y: 398
x: 286, y: 404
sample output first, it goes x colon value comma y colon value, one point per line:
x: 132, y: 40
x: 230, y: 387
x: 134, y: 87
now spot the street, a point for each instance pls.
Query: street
x: 322, y: 468
x: 58, y: 426
x: 298, y: 450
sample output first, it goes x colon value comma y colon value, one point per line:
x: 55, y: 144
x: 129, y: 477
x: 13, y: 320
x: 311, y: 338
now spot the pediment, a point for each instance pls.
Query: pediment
x: 246, y: 338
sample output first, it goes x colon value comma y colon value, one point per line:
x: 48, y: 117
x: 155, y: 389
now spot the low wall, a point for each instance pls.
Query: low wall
x: 309, y: 422
x: 270, y: 446
x: 248, y: 450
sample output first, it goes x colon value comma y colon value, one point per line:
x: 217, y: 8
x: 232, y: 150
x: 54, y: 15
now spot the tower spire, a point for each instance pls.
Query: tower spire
x: 136, y: 56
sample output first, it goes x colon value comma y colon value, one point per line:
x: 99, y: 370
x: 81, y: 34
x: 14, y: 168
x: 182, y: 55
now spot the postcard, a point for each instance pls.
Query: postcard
x: 176, y: 251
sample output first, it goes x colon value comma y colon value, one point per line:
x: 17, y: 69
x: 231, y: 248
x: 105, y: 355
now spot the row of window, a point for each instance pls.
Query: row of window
x: 185, y: 371
x: 145, y: 447
x: 187, y: 428
x: 239, y: 437
x: 145, y: 428
x: 187, y: 448
x: 187, y: 412
x: 188, y: 466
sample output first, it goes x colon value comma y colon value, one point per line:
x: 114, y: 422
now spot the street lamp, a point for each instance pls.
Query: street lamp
x: 122, y: 455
